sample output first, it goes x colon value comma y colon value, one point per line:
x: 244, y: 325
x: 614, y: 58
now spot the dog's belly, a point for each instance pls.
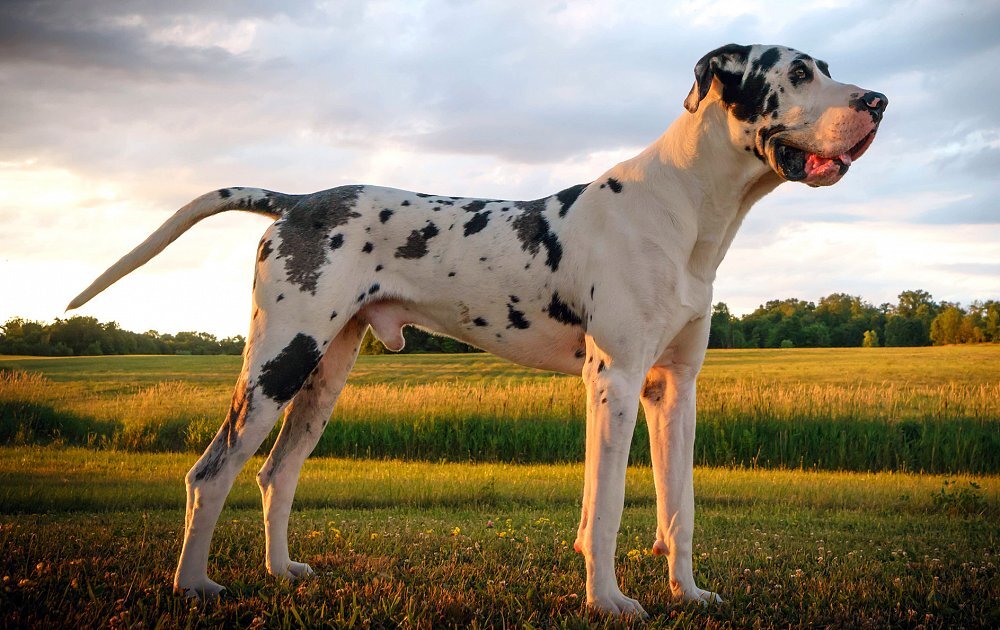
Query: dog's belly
x: 540, y: 342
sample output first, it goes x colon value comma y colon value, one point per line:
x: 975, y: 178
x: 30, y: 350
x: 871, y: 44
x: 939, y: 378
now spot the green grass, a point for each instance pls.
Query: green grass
x: 903, y: 409
x: 974, y: 365
x: 89, y: 538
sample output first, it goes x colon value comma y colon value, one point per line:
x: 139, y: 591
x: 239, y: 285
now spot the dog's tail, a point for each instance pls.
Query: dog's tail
x: 265, y: 202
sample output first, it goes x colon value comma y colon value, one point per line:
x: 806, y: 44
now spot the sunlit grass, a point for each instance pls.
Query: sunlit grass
x: 89, y: 538
x: 935, y: 409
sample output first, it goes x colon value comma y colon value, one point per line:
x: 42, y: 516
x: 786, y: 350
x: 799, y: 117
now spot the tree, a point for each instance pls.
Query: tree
x: 946, y: 327
x: 232, y: 345
x: 790, y: 319
x: 870, y: 339
x: 722, y: 332
x: 847, y: 317
x: 911, y: 319
x: 991, y: 321
x: 81, y: 334
x: 371, y: 345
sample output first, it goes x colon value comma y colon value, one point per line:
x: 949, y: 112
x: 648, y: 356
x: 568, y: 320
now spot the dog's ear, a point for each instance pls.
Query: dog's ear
x: 729, y: 60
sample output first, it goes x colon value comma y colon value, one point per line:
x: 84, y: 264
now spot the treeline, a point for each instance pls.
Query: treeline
x: 838, y: 320
x: 79, y: 336
x: 841, y: 320
x: 85, y: 336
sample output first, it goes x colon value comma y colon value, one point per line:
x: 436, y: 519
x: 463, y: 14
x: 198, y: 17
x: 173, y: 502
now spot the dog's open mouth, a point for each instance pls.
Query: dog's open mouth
x: 799, y: 165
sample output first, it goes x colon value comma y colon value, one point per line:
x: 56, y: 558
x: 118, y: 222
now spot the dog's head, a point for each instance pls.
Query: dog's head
x: 784, y: 108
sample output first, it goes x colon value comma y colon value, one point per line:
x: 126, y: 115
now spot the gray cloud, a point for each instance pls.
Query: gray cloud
x: 167, y: 99
x: 978, y: 269
x: 976, y: 210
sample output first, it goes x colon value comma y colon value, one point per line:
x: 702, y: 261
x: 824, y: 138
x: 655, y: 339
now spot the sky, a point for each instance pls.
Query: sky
x: 114, y: 113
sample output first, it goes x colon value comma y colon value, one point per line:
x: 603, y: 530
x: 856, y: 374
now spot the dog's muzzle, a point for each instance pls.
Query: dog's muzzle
x: 798, y: 164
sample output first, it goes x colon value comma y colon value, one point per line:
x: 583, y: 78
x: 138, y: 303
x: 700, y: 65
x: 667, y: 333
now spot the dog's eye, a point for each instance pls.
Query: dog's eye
x: 799, y: 73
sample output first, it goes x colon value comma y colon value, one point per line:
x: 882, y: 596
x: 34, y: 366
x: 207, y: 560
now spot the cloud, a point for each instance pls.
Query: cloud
x: 115, y: 113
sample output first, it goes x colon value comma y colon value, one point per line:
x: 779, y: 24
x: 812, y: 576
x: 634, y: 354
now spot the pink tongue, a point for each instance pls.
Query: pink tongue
x: 816, y: 165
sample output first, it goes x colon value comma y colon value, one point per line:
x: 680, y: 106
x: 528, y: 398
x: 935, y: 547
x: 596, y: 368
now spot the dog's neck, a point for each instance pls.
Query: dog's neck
x: 706, y: 176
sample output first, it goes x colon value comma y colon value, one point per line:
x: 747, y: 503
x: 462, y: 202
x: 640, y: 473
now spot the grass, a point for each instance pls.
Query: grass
x: 902, y: 409
x: 89, y: 538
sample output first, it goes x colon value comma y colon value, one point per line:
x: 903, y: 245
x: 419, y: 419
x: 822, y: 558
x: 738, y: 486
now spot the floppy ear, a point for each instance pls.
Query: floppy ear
x: 731, y: 59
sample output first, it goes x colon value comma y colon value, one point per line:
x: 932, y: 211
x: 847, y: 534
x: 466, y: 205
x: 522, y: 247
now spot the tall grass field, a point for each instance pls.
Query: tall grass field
x: 877, y: 409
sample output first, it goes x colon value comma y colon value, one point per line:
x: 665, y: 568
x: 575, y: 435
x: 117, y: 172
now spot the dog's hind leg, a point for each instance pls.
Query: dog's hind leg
x: 279, y: 357
x: 304, y: 422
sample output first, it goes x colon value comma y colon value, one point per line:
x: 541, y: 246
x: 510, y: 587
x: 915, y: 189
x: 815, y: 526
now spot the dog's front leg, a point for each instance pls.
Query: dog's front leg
x: 612, y: 392
x: 668, y: 400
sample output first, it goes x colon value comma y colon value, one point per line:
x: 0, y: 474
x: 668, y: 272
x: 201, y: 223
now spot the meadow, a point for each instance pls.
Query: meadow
x: 456, y: 497
x: 876, y: 409
x: 89, y: 538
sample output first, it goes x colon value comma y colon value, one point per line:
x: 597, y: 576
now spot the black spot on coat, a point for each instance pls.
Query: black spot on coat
x: 533, y: 231
x: 477, y: 223
x: 416, y: 242
x: 283, y: 376
x: 746, y: 99
x: 228, y: 436
x: 516, y: 318
x: 265, y: 251
x: 615, y: 185
x: 384, y: 215
x: 772, y: 104
x: 368, y: 248
x: 479, y: 321
x: 766, y: 61
x: 568, y: 197
x: 336, y: 241
x: 474, y: 206
x: 561, y: 312
x: 303, y: 229
x: 225, y: 193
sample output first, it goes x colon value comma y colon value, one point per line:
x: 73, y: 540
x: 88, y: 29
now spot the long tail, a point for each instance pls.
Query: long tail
x: 255, y: 200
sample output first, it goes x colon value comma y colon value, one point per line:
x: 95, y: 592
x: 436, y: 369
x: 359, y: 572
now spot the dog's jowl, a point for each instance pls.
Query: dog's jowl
x: 610, y: 280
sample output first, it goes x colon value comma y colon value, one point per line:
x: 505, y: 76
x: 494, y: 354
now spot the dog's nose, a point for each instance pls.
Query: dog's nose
x: 876, y: 103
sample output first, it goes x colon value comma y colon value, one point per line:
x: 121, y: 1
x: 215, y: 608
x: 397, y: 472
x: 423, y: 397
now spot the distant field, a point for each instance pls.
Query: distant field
x: 931, y: 409
x: 89, y: 539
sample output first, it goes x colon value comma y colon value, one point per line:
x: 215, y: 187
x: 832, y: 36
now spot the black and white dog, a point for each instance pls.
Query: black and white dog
x: 611, y: 280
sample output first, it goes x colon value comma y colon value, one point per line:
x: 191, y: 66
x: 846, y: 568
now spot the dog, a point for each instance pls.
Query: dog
x: 611, y: 280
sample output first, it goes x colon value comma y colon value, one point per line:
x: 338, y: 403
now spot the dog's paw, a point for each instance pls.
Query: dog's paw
x: 695, y: 594
x: 203, y: 589
x: 292, y: 571
x: 616, y: 603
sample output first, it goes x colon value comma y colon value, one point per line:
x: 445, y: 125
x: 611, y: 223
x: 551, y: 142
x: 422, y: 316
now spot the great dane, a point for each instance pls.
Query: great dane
x: 611, y: 280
